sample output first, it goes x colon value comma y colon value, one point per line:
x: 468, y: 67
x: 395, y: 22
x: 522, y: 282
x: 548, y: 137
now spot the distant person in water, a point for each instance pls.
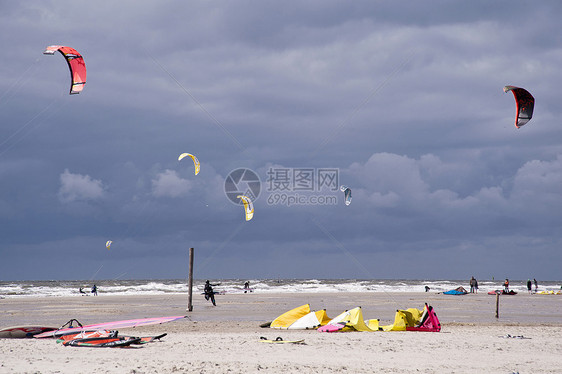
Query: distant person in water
x: 529, y: 286
x: 247, y: 287
x: 95, y: 290
x: 209, y: 292
x: 427, y: 288
x: 82, y: 291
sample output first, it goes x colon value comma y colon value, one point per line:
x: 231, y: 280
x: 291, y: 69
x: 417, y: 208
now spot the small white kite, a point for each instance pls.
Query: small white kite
x: 347, y: 193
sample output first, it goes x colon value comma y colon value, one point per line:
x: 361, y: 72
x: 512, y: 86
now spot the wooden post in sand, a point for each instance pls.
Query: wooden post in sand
x: 497, y: 305
x: 190, y: 282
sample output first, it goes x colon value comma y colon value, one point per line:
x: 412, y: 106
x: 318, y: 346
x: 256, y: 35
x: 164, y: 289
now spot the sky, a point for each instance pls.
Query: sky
x: 401, y: 102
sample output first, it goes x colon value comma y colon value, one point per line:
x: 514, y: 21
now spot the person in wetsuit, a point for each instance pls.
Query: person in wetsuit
x: 209, y: 292
x: 247, y: 287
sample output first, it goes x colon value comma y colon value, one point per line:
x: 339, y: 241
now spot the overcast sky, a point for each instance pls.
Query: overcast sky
x: 403, y: 100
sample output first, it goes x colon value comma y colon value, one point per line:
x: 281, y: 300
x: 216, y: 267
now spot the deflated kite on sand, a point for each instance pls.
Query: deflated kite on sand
x: 411, y: 319
x: 300, y: 318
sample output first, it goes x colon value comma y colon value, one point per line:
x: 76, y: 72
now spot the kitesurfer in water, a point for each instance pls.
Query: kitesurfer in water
x: 209, y: 292
x: 247, y: 287
x: 95, y: 290
x: 82, y: 291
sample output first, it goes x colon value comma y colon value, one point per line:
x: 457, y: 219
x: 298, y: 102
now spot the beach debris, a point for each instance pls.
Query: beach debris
x: 508, y: 336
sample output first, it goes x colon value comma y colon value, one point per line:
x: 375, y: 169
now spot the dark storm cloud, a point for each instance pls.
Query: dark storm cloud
x: 406, y: 101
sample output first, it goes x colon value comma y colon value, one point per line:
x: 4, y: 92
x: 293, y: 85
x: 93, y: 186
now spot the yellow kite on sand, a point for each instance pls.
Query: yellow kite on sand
x: 351, y: 320
x: 549, y: 293
x: 411, y: 319
x: 300, y: 318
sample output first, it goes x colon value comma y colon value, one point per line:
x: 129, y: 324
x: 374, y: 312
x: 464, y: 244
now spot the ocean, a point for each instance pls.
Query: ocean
x: 60, y: 288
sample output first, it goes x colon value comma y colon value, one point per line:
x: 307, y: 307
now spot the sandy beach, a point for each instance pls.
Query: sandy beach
x: 226, y: 338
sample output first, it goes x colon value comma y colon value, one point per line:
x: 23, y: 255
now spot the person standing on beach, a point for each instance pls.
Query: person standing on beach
x: 95, y: 290
x: 506, y: 285
x: 472, y: 284
x: 529, y: 285
x: 536, y: 285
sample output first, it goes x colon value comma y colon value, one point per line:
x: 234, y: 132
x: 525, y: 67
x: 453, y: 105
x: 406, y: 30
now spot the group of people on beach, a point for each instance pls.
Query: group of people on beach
x: 530, y: 285
x: 94, y: 290
x: 474, y: 285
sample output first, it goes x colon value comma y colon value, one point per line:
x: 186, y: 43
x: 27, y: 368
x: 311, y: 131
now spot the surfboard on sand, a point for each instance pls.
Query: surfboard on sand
x: 279, y: 340
x: 86, y: 334
x: 110, y: 325
x: 20, y: 332
x: 147, y: 339
x: 112, y: 342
